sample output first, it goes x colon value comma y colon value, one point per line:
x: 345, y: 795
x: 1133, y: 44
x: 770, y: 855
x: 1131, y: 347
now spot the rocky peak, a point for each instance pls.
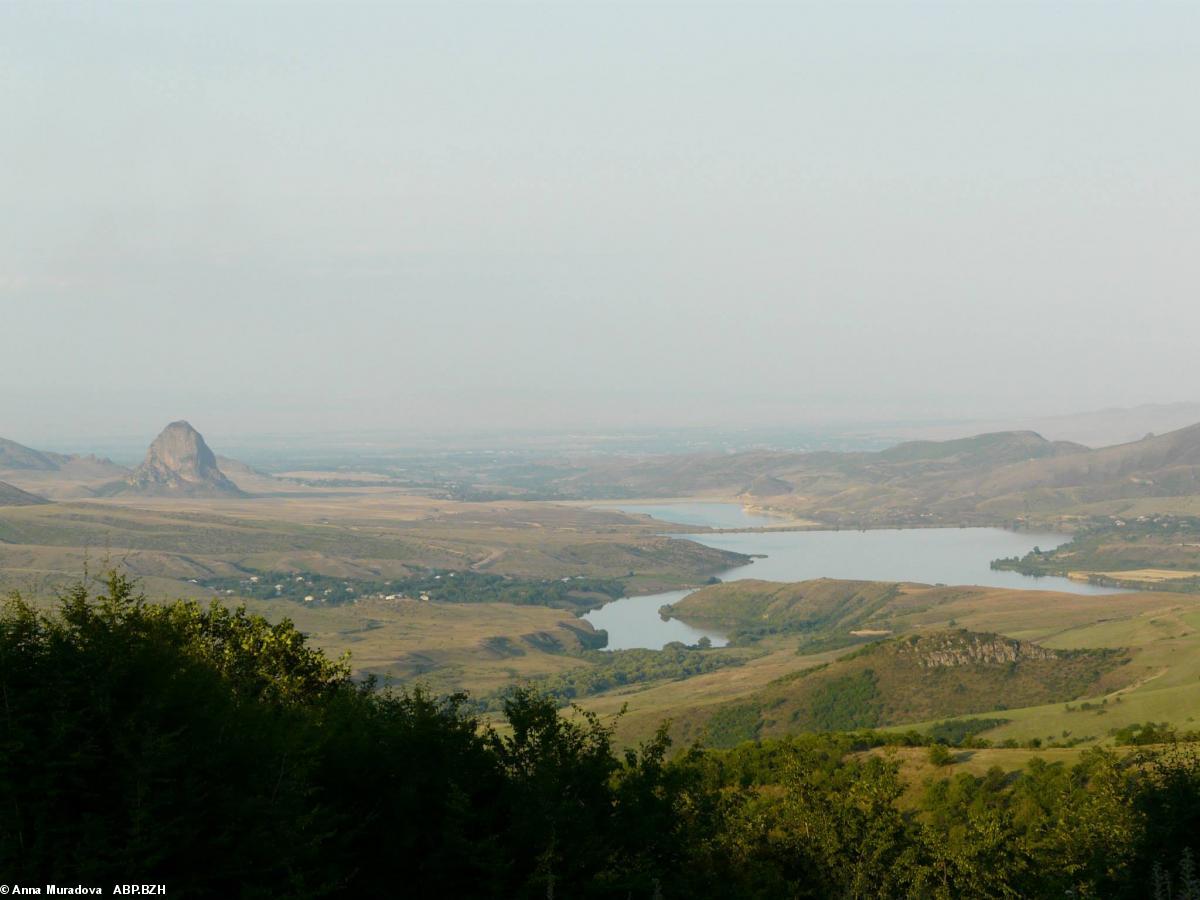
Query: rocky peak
x: 180, y: 462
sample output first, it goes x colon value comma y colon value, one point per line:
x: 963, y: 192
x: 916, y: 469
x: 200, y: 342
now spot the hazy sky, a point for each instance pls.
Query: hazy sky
x: 300, y: 217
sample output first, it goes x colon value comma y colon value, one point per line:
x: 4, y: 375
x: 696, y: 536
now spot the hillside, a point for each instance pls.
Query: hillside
x: 18, y: 456
x: 14, y: 496
x: 55, y: 475
x: 827, y: 613
x: 249, y: 478
x: 1157, y: 465
x: 916, y: 678
x: 987, y: 479
x: 1054, y: 477
x: 820, y: 473
x: 823, y: 607
x: 997, y: 448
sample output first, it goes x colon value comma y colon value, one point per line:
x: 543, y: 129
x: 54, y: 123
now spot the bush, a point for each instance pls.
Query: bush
x: 940, y: 755
x: 218, y: 753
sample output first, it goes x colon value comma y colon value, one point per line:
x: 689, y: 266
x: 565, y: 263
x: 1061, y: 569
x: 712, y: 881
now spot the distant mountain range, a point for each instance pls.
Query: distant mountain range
x: 1095, y: 428
x: 980, y: 480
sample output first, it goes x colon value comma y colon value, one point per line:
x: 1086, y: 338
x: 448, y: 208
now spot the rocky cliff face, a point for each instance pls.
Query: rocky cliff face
x: 965, y: 648
x: 180, y: 462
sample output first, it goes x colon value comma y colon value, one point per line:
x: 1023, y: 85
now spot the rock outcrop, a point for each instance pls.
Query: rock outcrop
x: 179, y: 463
x: 965, y: 648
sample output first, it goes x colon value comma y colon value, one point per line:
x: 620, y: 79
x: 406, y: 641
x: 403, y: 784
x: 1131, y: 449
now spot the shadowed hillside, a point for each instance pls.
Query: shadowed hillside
x: 13, y: 496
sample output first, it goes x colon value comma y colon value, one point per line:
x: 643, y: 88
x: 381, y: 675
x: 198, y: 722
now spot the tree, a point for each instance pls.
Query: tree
x: 940, y: 755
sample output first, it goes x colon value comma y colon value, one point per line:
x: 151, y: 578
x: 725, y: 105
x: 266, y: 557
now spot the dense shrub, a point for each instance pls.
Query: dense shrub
x: 215, y: 752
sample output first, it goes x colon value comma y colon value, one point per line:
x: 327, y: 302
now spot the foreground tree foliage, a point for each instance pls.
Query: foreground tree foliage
x: 218, y: 753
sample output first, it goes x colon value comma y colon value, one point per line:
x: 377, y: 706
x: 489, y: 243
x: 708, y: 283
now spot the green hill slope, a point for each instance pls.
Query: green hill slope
x: 917, y: 678
x: 822, y: 607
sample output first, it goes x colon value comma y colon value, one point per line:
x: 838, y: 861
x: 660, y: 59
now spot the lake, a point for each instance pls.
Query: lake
x: 925, y: 555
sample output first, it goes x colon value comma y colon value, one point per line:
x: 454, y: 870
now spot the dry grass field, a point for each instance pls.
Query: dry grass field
x: 442, y: 645
x: 362, y: 533
x: 1153, y: 576
x: 345, y: 533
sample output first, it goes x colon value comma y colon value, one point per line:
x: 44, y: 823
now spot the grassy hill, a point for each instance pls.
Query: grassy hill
x: 918, y: 678
x: 822, y: 608
x: 998, y: 448
x: 827, y: 613
x: 14, y: 496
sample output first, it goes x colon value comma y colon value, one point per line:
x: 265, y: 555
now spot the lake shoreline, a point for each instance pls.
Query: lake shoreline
x: 924, y: 555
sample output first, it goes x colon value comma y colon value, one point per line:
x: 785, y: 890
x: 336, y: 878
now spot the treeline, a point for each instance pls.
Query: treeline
x: 577, y: 594
x: 1142, y: 734
x: 1108, y: 547
x: 219, y: 754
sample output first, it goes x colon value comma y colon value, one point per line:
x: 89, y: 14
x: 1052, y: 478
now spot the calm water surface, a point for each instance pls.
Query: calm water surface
x: 926, y: 555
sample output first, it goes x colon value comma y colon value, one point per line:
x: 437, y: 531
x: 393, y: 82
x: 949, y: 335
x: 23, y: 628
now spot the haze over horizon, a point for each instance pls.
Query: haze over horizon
x: 460, y: 217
